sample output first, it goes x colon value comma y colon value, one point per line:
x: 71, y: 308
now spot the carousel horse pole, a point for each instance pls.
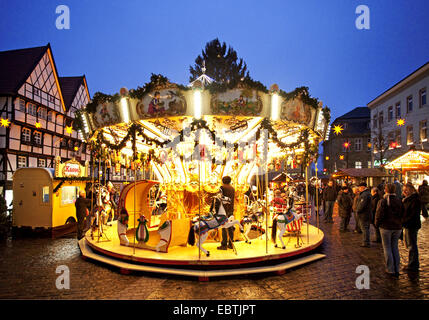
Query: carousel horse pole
x: 201, y: 227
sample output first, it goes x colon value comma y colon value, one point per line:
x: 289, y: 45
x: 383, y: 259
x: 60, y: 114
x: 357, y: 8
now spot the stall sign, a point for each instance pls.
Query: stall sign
x: 69, y: 169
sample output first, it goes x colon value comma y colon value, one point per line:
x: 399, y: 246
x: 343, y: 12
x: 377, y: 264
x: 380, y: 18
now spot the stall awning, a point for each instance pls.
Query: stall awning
x: 360, y: 173
x: 413, y: 160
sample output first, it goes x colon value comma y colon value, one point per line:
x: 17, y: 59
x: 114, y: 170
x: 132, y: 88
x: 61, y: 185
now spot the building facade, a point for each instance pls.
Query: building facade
x: 348, y: 147
x: 399, y: 117
x: 37, y: 111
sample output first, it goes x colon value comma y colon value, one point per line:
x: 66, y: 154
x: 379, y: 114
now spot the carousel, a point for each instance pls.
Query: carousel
x: 177, y: 143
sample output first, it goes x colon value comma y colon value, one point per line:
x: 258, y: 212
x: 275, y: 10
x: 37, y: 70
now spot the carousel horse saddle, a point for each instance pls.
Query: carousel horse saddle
x: 213, y: 222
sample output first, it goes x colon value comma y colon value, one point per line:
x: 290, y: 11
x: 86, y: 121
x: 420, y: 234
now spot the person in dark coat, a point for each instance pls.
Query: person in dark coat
x: 329, y: 197
x: 388, y: 219
x: 424, y: 197
x: 398, y: 186
x: 363, y: 211
x: 345, y: 204
x: 375, y: 198
x: 228, y: 192
x: 83, y: 206
x: 355, y: 198
x: 411, y: 223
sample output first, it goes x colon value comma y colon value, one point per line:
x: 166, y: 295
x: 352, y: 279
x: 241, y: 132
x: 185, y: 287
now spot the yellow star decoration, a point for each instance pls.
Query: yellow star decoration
x: 69, y: 129
x: 5, y: 122
x: 38, y: 125
x: 338, y: 128
x: 341, y: 157
x: 400, y: 122
x: 76, y: 148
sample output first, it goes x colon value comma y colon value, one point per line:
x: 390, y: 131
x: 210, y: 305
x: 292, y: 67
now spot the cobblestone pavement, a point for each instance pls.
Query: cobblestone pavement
x: 28, y: 266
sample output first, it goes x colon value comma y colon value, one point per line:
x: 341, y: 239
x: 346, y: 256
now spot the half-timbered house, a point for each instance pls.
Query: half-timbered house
x: 37, y: 110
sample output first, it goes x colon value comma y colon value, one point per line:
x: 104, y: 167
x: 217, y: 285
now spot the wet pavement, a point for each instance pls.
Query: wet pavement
x: 28, y: 271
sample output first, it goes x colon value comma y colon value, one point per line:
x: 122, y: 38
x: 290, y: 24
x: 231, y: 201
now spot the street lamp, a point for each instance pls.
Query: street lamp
x: 347, y: 146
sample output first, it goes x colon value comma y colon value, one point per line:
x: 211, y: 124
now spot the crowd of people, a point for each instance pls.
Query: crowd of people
x: 392, y: 209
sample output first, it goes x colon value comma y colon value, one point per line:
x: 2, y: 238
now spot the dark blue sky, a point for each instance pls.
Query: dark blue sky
x: 292, y: 43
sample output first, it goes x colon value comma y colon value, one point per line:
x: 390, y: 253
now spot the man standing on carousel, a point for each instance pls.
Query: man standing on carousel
x: 83, y: 206
x: 228, y: 192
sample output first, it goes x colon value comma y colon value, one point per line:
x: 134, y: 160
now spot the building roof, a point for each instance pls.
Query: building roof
x: 360, y: 173
x: 16, y: 66
x: 356, y: 113
x: 424, y: 68
x: 69, y: 87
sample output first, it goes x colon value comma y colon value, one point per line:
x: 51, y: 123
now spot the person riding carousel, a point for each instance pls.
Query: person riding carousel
x: 227, y: 198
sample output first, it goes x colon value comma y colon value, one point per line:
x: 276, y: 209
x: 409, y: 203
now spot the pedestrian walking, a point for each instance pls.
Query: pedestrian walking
x: 345, y: 204
x: 424, y: 197
x: 375, y: 198
x: 354, y: 207
x: 411, y: 224
x: 363, y: 211
x: 398, y: 187
x: 388, y: 219
x: 83, y: 206
x: 329, y: 197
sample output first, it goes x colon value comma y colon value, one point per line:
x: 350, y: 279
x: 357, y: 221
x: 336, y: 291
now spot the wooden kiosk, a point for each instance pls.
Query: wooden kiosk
x: 44, y: 197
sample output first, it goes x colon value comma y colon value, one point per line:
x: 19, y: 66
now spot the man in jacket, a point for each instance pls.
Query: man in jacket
x: 354, y: 207
x: 363, y: 211
x: 345, y: 204
x: 424, y: 197
x: 411, y: 223
x: 398, y: 186
x: 83, y: 206
x: 329, y: 196
x: 229, y: 193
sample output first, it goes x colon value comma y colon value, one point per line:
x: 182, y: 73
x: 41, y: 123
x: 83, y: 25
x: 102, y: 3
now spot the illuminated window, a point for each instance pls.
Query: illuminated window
x: 358, y: 165
x: 410, y: 136
x: 37, y: 136
x: 369, y: 164
x: 41, y: 163
x: 398, y: 138
x: 45, y: 194
x: 21, y: 162
x: 68, y: 194
x: 423, y: 131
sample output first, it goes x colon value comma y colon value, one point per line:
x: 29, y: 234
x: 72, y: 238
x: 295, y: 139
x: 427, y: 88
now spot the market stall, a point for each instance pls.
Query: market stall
x: 185, y: 139
x: 44, y: 197
x: 413, y: 166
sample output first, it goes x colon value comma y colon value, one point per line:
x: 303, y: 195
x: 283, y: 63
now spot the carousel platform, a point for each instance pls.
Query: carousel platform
x: 186, y: 260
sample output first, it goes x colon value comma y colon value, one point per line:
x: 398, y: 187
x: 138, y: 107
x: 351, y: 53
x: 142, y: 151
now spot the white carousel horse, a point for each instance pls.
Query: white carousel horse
x: 201, y: 227
x: 253, y: 215
x: 282, y: 219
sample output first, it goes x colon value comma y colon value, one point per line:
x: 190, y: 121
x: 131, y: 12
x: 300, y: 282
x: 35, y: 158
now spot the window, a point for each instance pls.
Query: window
x: 369, y: 164
x: 64, y: 143
x: 71, y: 145
x: 410, y: 104
x: 423, y: 131
x: 26, y: 135
x: 51, y: 98
x: 45, y: 194
x: 374, y: 121
x: 390, y: 114
x: 41, y: 113
x: 380, y: 118
x: 358, y: 165
x: 398, y: 138
x: 41, y: 163
x: 31, y: 109
x: 37, y: 137
x: 398, y: 110
x: 50, y: 116
x: 21, y: 105
x: 68, y: 194
x: 36, y: 92
x: 22, y: 162
x: 422, y: 97
x: 358, y: 144
x: 390, y: 139
x: 410, y: 137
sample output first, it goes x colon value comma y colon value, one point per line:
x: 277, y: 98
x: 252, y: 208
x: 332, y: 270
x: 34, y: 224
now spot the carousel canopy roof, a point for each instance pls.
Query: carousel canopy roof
x: 413, y: 160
